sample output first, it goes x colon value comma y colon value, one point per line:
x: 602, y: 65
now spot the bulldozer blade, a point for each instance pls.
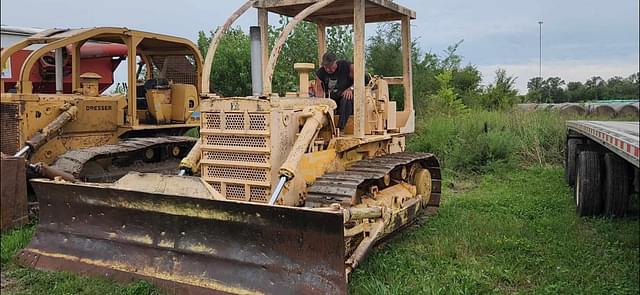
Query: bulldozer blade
x: 13, y: 192
x: 186, y: 245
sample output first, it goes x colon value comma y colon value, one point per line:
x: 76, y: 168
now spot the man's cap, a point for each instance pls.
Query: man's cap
x: 328, y: 58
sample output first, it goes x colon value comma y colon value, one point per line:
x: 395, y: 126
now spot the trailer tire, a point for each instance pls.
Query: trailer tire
x: 571, y: 153
x: 617, y: 184
x: 588, y: 186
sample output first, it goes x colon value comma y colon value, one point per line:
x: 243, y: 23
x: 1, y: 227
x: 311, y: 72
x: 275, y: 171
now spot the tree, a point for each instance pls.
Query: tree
x: 231, y: 68
x: 575, y: 92
x: 501, y: 94
x: 594, y: 88
x: 384, y: 51
x: 445, y: 101
x: 552, y: 89
x: 340, y: 41
x: 466, y: 82
x: 384, y: 56
x: 301, y: 46
x: 534, y: 87
x: 452, y: 59
x: 424, y: 80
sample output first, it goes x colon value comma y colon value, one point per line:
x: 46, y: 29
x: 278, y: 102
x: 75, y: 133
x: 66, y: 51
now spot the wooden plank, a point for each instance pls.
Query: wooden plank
x: 280, y: 3
x: 406, y: 63
x: 358, y: 68
x: 349, y: 20
x: 395, y: 7
x: 394, y: 80
x: 390, y: 6
x: 344, y: 12
x: 322, y: 42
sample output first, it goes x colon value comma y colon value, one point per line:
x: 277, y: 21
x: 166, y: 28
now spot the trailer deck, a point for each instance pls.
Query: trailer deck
x: 621, y: 138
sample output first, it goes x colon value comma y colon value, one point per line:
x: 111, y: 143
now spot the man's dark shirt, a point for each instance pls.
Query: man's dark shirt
x: 334, y: 84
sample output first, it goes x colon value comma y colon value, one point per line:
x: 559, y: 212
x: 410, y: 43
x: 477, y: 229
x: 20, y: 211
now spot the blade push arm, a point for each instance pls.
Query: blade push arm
x: 315, y: 119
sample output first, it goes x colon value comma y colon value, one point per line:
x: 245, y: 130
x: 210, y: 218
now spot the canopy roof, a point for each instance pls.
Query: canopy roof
x: 339, y: 12
x: 151, y: 41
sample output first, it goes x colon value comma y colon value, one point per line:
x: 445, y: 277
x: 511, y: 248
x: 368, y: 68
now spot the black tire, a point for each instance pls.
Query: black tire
x: 588, y: 187
x: 617, y: 185
x: 571, y: 153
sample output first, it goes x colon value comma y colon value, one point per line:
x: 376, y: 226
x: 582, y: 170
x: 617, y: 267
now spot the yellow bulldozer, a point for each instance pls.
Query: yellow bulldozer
x: 88, y: 136
x: 283, y: 204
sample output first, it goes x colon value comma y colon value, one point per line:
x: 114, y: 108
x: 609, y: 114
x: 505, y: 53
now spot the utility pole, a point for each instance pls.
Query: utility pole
x: 540, y: 63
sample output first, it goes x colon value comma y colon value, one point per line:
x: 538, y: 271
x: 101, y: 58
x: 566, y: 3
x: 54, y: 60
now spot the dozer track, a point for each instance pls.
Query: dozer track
x: 107, y: 163
x: 346, y: 187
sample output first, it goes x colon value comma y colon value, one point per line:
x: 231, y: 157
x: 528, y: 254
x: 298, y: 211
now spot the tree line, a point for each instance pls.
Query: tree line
x: 441, y: 82
x: 555, y: 89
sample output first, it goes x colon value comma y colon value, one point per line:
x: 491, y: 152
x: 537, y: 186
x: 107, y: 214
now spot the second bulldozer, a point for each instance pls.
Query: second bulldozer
x: 284, y: 203
x: 83, y: 133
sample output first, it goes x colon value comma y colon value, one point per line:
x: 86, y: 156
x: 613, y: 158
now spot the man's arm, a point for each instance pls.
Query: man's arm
x: 319, y: 89
x: 348, y: 93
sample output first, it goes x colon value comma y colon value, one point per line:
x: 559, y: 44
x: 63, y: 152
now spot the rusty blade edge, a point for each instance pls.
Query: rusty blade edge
x: 59, y: 262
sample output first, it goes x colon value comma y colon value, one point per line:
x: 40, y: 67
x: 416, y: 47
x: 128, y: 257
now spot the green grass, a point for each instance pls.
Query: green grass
x: 515, y: 233
x: 27, y: 281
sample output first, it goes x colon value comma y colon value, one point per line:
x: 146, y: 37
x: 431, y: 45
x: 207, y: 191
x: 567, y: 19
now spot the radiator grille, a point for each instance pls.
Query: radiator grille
x: 10, y: 134
x: 235, y: 121
x: 236, y: 158
x: 211, y: 121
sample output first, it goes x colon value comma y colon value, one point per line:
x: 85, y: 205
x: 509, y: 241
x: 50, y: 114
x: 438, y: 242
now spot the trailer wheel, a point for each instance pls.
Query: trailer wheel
x: 588, y: 184
x: 616, y: 186
x: 571, y: 153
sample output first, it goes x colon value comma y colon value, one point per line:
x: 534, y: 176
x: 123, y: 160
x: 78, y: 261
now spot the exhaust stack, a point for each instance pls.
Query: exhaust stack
x: 256, y: 61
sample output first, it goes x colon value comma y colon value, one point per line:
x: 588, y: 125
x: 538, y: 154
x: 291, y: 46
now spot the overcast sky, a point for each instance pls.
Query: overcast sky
x: 580, y: 38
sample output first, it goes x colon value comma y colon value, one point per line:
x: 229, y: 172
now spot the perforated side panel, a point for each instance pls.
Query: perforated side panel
x: 238, y: 173
x: 236, y: 141
x: 258, y: 122
x: 217, y: 186
x: 259, y: 194
x: 235, y: 157
x: 235, y: 191
x: 9, y: 133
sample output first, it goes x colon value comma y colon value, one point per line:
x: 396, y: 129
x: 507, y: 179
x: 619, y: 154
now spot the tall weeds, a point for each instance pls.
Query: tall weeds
x: 479, y: 141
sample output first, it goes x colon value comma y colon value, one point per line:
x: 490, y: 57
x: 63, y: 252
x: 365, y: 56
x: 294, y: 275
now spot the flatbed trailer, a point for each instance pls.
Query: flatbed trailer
x: 602, y: 164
